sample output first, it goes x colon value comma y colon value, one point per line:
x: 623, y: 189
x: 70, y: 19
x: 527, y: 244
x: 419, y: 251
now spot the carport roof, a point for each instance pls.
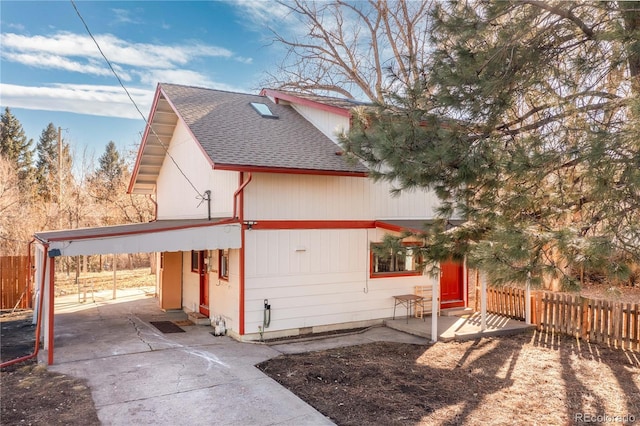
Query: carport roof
x: 156, y: 236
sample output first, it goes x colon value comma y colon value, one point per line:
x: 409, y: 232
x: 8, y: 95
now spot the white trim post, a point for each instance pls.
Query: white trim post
x: 435, y: 307
x: 483, y: 301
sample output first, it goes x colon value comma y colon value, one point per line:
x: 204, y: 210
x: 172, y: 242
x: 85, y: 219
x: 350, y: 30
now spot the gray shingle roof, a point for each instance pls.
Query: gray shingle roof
x: 232, y: 133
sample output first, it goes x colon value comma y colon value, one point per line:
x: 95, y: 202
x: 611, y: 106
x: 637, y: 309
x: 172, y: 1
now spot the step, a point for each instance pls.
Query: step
x: 198, y: 319
x: 456, y: 312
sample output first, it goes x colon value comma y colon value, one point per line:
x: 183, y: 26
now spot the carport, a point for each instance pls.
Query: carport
x: 156, y: 236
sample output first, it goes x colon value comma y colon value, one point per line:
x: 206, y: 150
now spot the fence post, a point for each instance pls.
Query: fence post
x: 527, y: 300
x: 617, y: 325
x: 540, y: 309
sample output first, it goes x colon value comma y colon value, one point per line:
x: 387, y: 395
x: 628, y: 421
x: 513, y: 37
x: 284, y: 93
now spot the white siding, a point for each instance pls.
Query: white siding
x: 316, y: 278
x: 224, y: 296
x: 176, y: 198
x: 309, y: 197
x: 328, y: 123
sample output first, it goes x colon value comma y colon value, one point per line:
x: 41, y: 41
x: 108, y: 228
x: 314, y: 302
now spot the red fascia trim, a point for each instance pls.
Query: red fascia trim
x: 136, y: 165
x: 141, y: 232
x: 306, y: 102
x: 312, y: 224
x: 52, y: 280
x: 263, y: 169
x: 393, y: 274
x: 392, y: 227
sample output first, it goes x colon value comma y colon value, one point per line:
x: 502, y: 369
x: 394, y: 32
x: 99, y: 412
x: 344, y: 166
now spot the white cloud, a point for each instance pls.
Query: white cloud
x: 244, y: 60
x: 117, y: 50
x: 142, y: 64
x: 123, y: 16
x: 187, y: 77
x: 48, y: 61
x: 109, y: 101
x: 262, y: 13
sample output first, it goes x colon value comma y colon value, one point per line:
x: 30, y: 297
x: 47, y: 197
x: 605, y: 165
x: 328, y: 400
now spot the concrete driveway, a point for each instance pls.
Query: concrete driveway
x: 138, y: 375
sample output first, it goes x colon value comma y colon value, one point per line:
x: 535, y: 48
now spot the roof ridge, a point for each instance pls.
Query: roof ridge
x: 188, y: 86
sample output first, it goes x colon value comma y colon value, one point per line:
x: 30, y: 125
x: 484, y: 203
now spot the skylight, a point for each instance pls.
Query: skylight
x: 263, y: 110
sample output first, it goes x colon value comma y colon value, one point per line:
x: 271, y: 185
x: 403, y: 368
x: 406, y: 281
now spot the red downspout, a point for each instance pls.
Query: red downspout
x: 240, y: 193
x: 237, y: 193
x: 52, y: 280
x: 39, y: 322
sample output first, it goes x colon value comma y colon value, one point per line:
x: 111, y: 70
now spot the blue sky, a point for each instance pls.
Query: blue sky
x: 51, y: 70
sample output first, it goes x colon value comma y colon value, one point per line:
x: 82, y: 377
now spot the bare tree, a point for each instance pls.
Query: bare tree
x: 348, y: 47
x: 16, y: 220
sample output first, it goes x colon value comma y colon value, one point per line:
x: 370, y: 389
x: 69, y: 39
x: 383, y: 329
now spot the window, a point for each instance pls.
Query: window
x: 223, y: 264
x: 404, y: 262
x: 263, y: 110
x: 195, y: 264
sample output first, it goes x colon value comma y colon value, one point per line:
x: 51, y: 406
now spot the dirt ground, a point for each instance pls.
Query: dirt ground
x: 523, y: 379
x: 530, y: 378
x: 31, y: 395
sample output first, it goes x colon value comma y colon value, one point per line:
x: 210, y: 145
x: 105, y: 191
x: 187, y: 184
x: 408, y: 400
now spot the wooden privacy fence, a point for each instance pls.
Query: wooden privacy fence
x: 14, y: 282
x: 612, y: 323
x: 506, y: 301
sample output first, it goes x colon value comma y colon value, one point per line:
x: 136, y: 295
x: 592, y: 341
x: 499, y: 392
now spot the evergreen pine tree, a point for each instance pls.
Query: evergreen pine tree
x: 108, y: 179
x: 111, y: 165
x: 15, y: 147
x: 47, y: 164
x: 524, y: 124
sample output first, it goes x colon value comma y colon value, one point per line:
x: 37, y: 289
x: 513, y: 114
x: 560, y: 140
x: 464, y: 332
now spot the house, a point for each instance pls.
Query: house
x: 261, y: 220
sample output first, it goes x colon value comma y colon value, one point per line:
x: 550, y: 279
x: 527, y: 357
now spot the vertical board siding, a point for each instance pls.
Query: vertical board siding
x: 177, y: 199
x: 316, y: 278
x: 611, y: 323
x: 272, y: 196
x: 14, y: 282
x: 328, y: 123
x: 224, y: 295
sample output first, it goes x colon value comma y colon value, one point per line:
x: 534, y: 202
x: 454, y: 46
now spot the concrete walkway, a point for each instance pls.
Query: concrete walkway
x: 138, y: 375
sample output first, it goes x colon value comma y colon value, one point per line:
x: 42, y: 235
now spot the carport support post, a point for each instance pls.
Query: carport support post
x: 52, y: 280
x: 435, y: 309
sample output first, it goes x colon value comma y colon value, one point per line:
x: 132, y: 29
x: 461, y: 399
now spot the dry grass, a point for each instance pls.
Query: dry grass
x: 127, y: 278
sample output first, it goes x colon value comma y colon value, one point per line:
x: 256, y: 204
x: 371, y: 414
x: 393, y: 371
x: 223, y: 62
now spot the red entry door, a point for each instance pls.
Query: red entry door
x: 204, y: 284
x: 451, y: 285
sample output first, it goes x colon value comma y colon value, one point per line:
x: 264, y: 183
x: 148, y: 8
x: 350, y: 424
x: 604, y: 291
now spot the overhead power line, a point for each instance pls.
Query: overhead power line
x: 166, y: 149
